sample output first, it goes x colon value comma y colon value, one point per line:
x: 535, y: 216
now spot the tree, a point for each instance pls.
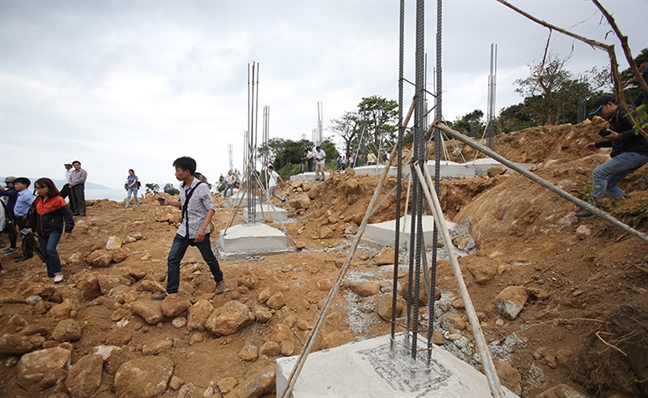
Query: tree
x: 372, y: 126
x: 378, y: 116
x: 633, y: 90
x: 348, y: 128
x: 281, y: 152
x: 559, y: 89
x: 170, y: 189
x: 471, y: 124
x: 153, y: 188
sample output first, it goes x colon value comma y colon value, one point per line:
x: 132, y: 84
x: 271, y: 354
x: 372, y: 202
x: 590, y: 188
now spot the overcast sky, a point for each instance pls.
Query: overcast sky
x: 136, y: 84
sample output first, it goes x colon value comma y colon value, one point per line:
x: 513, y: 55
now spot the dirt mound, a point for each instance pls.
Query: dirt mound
x: 583, y: 323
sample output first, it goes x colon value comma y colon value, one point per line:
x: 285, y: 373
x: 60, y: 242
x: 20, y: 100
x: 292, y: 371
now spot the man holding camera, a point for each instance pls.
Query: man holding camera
x: 629, y: 150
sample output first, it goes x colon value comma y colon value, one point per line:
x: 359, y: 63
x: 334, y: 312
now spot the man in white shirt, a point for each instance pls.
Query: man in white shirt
x: 320, y: 160
x: 272, y: 184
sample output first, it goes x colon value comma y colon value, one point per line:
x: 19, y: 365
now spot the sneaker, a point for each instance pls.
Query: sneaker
x: 159, y: 296
x: 10, y: 251
x: 58, y: 278
x: 21, y: 258
x: 220, y: 287
x: 283, y: 200
x: 584, y: 213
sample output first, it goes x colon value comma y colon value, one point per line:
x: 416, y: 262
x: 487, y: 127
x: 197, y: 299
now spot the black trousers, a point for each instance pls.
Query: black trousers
x: 65, y: 192
x: 27, y: 249
x: 77, y: 199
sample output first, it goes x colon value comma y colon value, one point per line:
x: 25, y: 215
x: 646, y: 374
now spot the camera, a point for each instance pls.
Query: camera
x: 604, y: 132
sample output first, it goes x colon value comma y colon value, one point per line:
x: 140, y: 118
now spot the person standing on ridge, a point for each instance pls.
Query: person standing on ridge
x: 51, y: 212
x: 132, y: 185
x: 320, y: 160
x: 197, y: 211
x: 77, y: 189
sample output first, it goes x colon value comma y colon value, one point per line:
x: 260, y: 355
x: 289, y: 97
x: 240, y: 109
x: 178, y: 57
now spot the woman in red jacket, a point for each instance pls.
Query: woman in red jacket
x: 51, y: 211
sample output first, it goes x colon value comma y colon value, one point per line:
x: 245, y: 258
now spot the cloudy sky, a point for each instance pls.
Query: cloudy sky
x: 136, y: 84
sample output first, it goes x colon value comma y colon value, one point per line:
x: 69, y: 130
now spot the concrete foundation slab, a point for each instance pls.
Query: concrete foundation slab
x: 383, y: 233
x: 266, y: 209
x: 251, y: 239
x: 370, y: 368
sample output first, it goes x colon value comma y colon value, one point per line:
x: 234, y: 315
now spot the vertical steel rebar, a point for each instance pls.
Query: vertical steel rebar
x: 399, y: 172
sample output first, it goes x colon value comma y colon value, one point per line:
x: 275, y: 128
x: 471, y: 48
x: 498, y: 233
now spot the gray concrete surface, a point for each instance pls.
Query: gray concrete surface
x: 251, y: 239
x: 266, y: 209
x: 370, y: 368
x: 383, y: 233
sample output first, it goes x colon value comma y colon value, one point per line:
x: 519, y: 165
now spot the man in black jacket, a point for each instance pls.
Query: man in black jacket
x: 629, y: 151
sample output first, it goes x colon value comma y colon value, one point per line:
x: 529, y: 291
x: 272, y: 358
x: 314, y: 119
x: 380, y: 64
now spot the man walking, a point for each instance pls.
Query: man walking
x: 629, y: 151
x: 197, y: 211
x: 77, y: 189
x: 320, y: 160
x: 272, y: 183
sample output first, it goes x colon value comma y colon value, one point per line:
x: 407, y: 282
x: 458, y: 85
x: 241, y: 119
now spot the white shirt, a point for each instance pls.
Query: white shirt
x: 273, y: 179
x: 320, y: 154
x: 68, y: 175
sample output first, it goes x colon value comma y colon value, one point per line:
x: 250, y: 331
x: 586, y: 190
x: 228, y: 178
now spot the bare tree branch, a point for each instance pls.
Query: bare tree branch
x: 614, y: 65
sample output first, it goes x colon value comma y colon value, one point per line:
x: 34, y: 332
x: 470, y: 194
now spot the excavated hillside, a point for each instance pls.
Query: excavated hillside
x: 582, y: 327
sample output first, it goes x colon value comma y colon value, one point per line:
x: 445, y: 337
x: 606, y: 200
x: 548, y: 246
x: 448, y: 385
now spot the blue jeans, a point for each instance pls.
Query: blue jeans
x: 609, y: 174
x: 231, y: 189
x: 132, y: 191
x: 48, y: 247
x: 178, y: 250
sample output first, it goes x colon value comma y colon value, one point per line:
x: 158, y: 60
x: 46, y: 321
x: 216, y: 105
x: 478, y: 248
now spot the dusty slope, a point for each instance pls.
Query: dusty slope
x: 584, y: 324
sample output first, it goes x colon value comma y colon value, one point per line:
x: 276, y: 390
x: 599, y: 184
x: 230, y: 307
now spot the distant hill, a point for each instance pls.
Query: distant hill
x: 59, y: 183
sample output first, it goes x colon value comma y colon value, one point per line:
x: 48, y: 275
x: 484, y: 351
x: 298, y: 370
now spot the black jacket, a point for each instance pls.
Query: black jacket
x: 628, y: 141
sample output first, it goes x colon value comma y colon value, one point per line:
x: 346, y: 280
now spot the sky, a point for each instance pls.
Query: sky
x: 136, y: 84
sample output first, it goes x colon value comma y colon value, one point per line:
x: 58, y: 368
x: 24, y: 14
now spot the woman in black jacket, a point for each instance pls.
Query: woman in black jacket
x: 51, y: 211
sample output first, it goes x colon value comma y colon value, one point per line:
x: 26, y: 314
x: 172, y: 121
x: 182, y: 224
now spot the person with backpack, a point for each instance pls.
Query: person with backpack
x: 132, y: 185
x: 51, y: 213
x: 197, y: 211
x: 9, y: 196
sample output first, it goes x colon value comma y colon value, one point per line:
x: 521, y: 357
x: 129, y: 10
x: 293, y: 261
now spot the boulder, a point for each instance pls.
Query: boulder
x: 145, y: 377
x: 495, y: 171
x: 108, y: 282
x: 384, y: 307
x: 148, y: 310
x: 226, y: 385
x: 365, y: 289
x: 481, y: 270
x: 61, y: 310
x: 67, y: 330
x: 276, y: 301
x: 300, y: 202
x: 249, y: 352
x: 99, y: 258
x: 198, y: 315
x: 386, y: 256
x: 13, y: 344
x: 175, y: 305
x: 84, y: 377
x: 270, y: 349
x: 114, y: 243
x: 454, y: 320
x: 229, y: 318
x: 282, y: 334
x: 33, y: 366
x: 510, y: 301
x: 259, y: 382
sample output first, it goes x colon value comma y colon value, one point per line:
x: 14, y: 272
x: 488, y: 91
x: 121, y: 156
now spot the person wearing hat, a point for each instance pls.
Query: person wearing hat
x: 10, y: 194
x: 629, y: 151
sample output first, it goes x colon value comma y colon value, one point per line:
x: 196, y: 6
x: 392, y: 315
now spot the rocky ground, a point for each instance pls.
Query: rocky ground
x: 579, y: 285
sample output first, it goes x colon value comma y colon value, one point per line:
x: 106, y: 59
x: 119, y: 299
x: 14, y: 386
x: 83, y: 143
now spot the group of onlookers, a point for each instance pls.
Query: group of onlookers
x: 46, y: 214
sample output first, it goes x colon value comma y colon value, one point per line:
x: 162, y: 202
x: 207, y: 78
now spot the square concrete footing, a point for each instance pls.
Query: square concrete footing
x: 370, y: 368
x: 251, y: 239
x: 266, y: 209
x: 383, y: 233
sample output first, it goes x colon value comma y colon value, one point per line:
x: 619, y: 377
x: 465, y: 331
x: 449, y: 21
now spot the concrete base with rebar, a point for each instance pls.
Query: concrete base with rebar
x: 370, y: 368
x: 264, y: 210
x: 251, y: 239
